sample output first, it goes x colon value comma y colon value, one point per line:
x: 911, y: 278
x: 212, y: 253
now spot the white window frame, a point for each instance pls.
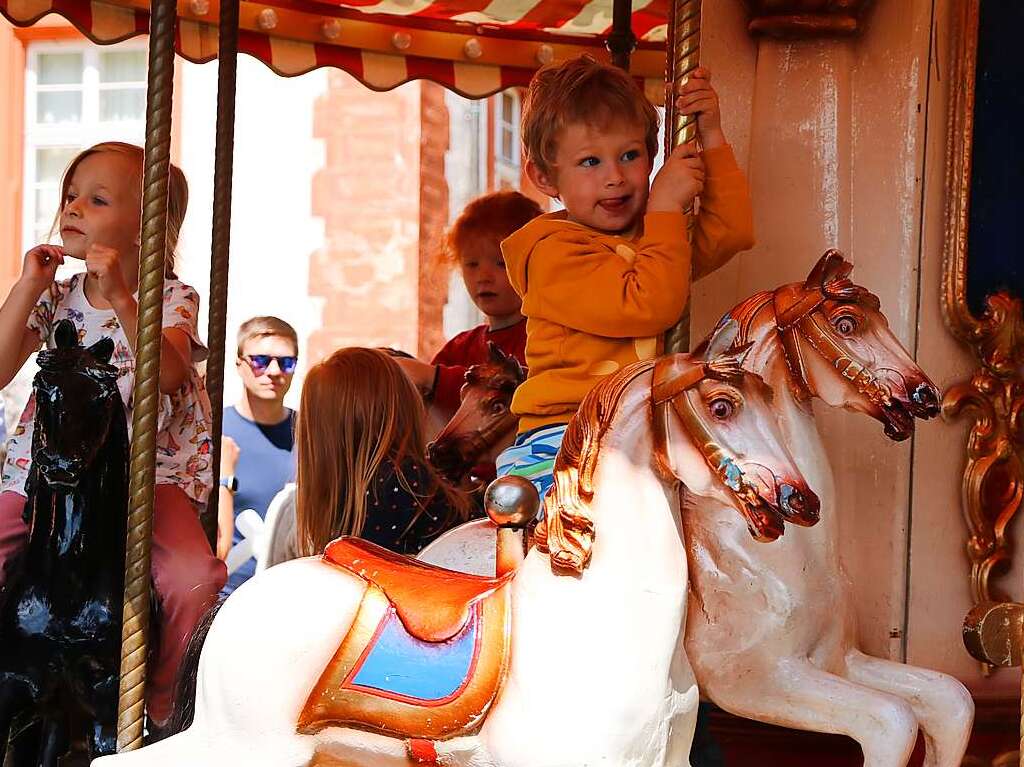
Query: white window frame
x: 88, y: 130
x: 507, y: 170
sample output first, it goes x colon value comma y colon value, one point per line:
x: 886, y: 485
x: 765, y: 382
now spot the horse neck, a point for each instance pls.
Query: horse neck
x: 61, y: 521
x: 634, y: 509
x: 795, y: 417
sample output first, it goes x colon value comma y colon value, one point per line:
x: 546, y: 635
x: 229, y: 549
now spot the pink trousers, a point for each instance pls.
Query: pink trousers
x: 186, y: 574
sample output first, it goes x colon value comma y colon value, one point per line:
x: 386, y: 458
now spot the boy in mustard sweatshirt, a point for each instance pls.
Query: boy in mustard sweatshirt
x: 602, y: 280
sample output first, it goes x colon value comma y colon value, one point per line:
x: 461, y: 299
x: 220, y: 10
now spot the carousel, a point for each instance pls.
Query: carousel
x: 830, y: 565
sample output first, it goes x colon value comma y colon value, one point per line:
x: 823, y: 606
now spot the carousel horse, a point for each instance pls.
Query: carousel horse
x: 483, y: 425
x: 767, y: 641
x: 60, y: 610
x: 771, y: 631
x: 361, y: 657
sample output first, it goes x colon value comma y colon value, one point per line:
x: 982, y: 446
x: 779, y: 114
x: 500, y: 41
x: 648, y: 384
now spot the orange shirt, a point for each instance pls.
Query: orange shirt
x: 596, y: 302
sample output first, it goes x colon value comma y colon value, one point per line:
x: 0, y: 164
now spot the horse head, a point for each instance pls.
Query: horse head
x: 717, y: 432
x: 483, y: 418
x: 838, y: 346
x: 76, y: 399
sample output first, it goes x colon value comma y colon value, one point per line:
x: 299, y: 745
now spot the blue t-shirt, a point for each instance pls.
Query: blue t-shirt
x: 266, y: 464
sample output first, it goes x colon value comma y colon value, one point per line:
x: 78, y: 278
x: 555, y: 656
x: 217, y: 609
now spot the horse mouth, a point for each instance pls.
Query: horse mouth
x: 448, y: 460
x: 898, y: 420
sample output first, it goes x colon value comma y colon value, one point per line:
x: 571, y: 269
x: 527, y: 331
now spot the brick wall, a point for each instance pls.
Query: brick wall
x: 368, y: 195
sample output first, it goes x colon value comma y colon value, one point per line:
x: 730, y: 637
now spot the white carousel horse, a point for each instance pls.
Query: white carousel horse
x: 771, y: 632
x: 795, y: 661
x: 591, y: 623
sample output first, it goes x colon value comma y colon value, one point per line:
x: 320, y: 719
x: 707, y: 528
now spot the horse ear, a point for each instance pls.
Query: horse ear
x: 722, y: 338
x: 66, y: 335
x: 102, y: 350
x: 496, y: 354
x: 830, y: 267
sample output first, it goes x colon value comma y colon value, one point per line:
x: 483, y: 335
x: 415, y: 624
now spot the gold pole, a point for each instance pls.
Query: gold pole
x: 683, y: 58
x: 222, y: 177
x: 146, y: 396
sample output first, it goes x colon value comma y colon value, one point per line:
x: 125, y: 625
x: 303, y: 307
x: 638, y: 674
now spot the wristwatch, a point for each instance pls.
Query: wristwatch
x: 231, y: 483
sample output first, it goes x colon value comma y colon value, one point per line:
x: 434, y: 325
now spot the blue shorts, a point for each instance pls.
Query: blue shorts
x: 532, y: 455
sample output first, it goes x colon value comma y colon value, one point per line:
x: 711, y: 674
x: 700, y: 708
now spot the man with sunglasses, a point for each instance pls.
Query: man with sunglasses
x: 259, y: 435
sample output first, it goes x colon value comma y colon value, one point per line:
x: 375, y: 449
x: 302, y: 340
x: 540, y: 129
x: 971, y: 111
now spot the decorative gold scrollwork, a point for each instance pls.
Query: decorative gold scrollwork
x: 1009, y: 759
x: 805, y: 18
x: 993, y: 482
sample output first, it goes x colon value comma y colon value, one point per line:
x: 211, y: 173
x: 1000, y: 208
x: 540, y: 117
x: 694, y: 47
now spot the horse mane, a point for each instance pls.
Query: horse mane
x: 567, y: 531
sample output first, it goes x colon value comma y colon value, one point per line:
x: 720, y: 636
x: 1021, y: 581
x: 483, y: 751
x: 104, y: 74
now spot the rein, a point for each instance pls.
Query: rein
x: 799, y: 313
x: 675, y: 376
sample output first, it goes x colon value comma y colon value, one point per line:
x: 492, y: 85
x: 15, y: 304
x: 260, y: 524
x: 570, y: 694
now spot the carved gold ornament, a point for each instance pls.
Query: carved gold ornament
x: 993, y: 480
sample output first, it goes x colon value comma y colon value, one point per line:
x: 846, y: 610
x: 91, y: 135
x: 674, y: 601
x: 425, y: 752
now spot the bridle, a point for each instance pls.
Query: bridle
x: 798, y: 312
x: 675, y: 378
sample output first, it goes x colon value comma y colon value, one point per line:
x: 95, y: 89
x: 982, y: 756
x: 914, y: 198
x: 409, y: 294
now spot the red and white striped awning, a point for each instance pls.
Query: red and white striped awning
x: 473, y: 47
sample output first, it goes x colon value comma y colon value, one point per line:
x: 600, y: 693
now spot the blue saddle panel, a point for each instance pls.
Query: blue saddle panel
x: 398, y: 665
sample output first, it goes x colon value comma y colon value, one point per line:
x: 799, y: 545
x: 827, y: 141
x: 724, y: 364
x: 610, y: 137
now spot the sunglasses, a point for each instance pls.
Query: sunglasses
x: 261, y: 362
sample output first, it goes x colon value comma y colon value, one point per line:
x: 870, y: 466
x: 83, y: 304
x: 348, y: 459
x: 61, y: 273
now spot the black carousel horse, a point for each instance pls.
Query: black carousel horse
x: 61, y: 609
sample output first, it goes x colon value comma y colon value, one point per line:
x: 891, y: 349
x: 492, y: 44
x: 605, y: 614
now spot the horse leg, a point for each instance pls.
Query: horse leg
x: 941, y: 704
x: 54, y: 741
x: 794, y: 693
x: 15, y: 696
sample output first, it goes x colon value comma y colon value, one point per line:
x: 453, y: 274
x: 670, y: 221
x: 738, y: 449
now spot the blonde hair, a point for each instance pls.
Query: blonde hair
x: 581, y: 90
x: 177, y: 192
x: 264, y: 327
x: 358, y: 410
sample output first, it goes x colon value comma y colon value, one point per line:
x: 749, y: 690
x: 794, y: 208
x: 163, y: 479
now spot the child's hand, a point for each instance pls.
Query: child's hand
x: 40, y: 266
x: 420, y: 373
x: 680, y: 179
x: 229, y: 452
x: 698, y: 97
x: 104, y: 266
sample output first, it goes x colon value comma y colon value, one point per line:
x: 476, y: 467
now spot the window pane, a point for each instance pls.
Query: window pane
x: 59, y: 106
x: 59, y: 68
x: 46, y: 209
x: 51, y: 162
x: 507, y: 153
x: 506, y: 107
x: 123, y: 67
x: 122, y: 104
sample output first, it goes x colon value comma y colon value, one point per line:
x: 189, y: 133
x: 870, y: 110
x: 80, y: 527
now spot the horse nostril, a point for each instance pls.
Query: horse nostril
x: 798, y: 505
x: 926, y: 400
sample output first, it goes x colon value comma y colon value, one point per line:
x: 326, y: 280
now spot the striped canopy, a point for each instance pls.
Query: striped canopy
x: 473, y: 47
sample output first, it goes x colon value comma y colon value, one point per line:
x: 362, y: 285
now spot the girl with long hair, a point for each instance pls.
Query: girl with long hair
x: 362, y: 465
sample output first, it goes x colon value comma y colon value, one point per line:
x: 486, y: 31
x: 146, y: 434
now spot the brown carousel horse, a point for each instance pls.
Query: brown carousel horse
x: 483, y: 425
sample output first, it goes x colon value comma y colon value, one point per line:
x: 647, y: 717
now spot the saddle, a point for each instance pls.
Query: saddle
x: 424, y: 656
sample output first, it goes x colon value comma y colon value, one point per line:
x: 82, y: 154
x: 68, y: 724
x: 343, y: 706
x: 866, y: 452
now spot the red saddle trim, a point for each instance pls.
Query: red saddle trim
x: 433, y: 603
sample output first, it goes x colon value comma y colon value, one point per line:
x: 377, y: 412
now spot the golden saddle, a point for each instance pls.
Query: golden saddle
x: 426, y: 653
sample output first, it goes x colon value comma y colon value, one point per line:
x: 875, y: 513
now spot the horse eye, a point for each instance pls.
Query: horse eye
x: 845, y: 324
x: 721, y: 408
x: 498, y: 407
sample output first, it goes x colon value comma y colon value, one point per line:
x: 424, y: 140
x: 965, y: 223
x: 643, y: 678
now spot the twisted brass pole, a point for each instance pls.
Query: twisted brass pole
x: 227, y: 63
x: 683, y: 58
x: 146, y: 397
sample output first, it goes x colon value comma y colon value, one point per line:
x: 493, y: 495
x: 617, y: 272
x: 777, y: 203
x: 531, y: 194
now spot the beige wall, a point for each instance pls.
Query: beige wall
x: 844, y: 144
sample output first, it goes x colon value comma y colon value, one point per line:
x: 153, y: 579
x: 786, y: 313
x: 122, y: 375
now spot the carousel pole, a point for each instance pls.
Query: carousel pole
x: 222, y: 176
x: 146, y: 397
x: 621, y: 41
x: 683, y: 58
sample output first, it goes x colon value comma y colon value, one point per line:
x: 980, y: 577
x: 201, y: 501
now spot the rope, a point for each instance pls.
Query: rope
x: 146, y: 397
x: 683, y: 58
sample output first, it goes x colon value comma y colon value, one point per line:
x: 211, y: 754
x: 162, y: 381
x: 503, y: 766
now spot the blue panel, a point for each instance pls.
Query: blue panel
x: 400, y: 663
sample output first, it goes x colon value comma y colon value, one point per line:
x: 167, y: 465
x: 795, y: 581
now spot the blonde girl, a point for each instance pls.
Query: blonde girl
x: 99, y: 221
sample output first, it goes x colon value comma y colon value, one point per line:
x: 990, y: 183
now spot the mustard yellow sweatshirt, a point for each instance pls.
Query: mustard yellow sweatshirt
x: 596, y: 302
